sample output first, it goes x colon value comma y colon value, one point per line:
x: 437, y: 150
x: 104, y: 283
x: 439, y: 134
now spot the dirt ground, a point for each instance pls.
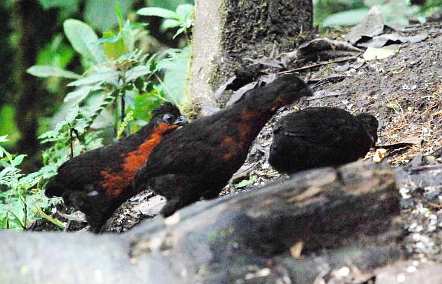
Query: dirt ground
x: 404, y: 92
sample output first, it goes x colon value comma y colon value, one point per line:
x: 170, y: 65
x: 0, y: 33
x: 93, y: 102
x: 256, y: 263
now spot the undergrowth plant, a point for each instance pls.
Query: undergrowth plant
x: 119, y: 88
x: 397, y: 13
x: 21, y: 196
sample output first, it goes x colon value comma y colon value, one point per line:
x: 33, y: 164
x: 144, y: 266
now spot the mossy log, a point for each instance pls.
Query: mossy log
x: 327, y: 215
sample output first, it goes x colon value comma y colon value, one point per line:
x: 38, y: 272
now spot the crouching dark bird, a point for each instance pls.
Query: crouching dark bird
x: 98, y: 181
x: 197, y: 160
x: 319, y: 137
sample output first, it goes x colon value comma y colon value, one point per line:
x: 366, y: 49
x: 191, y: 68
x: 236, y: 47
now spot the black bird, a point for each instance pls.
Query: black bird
x: 98, y: 181
x: 320, y: 137
x: 198, y: 159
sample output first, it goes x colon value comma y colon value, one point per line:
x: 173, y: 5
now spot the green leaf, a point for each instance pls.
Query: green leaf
x: 113, y: 45
x: 169, y: 24
x: 84, y: 40
x: 175, y: 69
x: 65, y: 4
x: 101, y: 14
x: 179, y: 31
x: 119, y: 14
x: 18, y: 160
x: 158, y: 12
x: 145, y: 103
x: 136, y: 72
x: 55, y: 53
x: 44, y: 71
x: 346, y: 18
x: 79, y: 94
x: 184, y: 11
x: 168, y: 4
x: 245, y: 182
x: 109, y: 76
x: 8, y: 125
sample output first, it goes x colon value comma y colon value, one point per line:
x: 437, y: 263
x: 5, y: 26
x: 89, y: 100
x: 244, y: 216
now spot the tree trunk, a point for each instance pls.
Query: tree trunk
x: 29, y: 92
x: 230, y: 33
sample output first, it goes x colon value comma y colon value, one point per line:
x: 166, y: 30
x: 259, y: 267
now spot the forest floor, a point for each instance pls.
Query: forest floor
x: 404, y: 92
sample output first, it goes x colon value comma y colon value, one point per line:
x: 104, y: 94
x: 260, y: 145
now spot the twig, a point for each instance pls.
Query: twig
x: 49, y: 218
x: 72, y: 131
x: 435, y: 205
x: 123, y: 107
x: 331, y: 79
x: 426, y: 168
x: 316, y: 97
x: 395, y: 145
x: 318, y: 65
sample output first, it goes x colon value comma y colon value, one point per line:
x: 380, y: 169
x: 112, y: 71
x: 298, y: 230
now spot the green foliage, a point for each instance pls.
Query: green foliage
x: 345, y: 18
x: 66, y: 4
x: 7, y: 115
x: 118, y: 88
x: 181, y: 18
x: 246, y: 182
x: 124, y: 71
x: 56, y: 54
x: 84, y: 40
x: 152, y: 98
x: 67, y: 7
x: 100, y: 14
x: 397, y: 13
x: 124, y: 124
x: 168, y: 4
x: 21, y: 197
x: 44, y: 71
x: 430, y: 7
x: 175, y: 66
x: 326, y: 8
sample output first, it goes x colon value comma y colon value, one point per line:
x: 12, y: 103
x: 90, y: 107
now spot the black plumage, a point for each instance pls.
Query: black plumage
x: 319, y: 137
x: 199, y: 159
x: 98, y: 181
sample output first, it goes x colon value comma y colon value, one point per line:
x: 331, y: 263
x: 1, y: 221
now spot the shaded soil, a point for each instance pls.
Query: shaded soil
x: 404, y: 92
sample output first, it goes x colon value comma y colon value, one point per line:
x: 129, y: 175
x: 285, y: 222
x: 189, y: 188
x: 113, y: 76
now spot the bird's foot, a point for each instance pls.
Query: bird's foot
x: 171, y: 206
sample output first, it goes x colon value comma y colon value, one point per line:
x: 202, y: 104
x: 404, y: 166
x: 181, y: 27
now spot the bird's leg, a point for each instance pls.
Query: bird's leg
x: 171, y: 206
x: 175, y: 204
x: 210, y: 194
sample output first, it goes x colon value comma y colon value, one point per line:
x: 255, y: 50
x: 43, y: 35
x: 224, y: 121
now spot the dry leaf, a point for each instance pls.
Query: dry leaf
x: 379, y: 155
x: 380, y: 53
x: 296, y: 250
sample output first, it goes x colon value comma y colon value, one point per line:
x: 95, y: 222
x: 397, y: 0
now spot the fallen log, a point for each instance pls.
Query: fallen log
x: 326, y: 217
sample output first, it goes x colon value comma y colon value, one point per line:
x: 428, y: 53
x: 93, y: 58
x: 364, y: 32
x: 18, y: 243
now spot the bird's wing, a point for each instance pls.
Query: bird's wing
x: 332, y: 130
x: 86, y: 168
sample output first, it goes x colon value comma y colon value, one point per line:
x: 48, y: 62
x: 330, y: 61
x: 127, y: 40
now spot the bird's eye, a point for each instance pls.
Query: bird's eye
x: 168, y: 118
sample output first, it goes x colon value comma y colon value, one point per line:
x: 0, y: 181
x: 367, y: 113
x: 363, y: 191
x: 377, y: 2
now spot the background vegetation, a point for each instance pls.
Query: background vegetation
x: 77, y: 74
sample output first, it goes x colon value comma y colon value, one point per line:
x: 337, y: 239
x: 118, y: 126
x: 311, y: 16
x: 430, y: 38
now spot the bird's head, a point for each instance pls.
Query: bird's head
x: 169, y: 114
x: 371, y: 124
x: 288, y: 89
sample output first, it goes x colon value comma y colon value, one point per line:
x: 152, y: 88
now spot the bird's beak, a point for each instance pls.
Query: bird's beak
x: 180, y: 121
